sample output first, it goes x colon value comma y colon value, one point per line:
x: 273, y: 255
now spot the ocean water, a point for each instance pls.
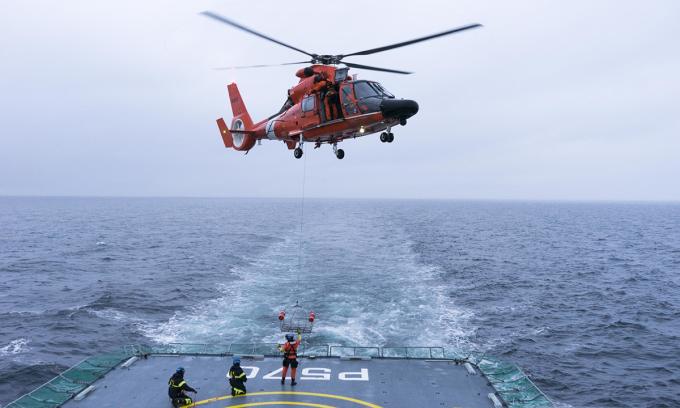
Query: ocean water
x: 585, y: 298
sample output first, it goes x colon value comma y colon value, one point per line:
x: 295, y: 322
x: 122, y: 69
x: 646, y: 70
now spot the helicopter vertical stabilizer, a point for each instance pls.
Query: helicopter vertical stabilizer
x: 226, y: 134
x: 239, y: 108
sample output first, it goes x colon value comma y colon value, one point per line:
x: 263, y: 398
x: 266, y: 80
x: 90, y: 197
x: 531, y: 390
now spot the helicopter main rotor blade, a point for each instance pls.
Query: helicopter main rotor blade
x: 262, y: 66
x: 417, y: 40
x: 350, y: 64
x: 233, y: 24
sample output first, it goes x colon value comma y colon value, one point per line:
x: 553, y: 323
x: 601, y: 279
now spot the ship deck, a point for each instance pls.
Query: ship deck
x: 327, y: 376
x: 321, y: 382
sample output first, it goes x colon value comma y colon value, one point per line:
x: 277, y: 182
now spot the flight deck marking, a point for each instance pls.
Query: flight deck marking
x: 368, y: 404
x: 305, y: 404
x: 308, y: 374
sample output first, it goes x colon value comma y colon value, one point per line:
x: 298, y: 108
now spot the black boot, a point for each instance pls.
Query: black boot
x: 292, y: 382
x: 283, y: 381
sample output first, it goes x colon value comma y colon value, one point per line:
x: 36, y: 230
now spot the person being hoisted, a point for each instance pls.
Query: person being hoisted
x: 290, y: 357
x: 178, y: 389
x: 236, y: 378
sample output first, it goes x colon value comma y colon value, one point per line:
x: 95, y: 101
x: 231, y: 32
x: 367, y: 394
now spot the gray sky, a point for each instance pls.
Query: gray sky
x: 574, y: 100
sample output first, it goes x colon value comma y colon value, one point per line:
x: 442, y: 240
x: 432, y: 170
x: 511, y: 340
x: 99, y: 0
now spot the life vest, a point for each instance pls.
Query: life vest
x: 290, y: 350
x: 175, y: 389
x: 332, y: 95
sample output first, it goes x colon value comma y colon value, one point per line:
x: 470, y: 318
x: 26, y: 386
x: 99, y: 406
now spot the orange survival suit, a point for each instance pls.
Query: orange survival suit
x: 322, y: 83
x: 290, y: 357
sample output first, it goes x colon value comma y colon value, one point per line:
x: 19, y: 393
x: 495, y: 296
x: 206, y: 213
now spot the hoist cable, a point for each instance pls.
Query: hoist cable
x: 302, y: 214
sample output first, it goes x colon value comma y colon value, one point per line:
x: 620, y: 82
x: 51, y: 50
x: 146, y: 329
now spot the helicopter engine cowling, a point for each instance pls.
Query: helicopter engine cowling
x: 307, y: 82
x: 305, y: 72
x: 303, y: 88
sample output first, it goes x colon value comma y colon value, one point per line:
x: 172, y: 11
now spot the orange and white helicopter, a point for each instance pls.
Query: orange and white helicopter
x: 362, y: 107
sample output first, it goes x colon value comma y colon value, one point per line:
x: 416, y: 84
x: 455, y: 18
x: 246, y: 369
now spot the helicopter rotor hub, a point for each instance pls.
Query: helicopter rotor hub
x: 326, y: 59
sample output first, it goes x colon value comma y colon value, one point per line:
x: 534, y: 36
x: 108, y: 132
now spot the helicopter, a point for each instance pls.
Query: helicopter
x: 357, y: 108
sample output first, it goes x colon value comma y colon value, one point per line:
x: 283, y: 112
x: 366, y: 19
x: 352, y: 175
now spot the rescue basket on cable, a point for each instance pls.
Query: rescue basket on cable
x: 296, y: 317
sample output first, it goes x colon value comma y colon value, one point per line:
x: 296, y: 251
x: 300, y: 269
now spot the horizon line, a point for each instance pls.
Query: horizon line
x: 544, y: 200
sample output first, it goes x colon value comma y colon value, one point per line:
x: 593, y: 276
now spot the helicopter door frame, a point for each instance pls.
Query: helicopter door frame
x: 349, y: 103
x: 310, y: 117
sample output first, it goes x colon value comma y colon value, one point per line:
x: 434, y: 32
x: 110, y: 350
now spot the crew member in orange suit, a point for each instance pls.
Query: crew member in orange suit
x: 331, y: 103
x: 325, y: 86
x: 320, y: 83
x: 290, y: 357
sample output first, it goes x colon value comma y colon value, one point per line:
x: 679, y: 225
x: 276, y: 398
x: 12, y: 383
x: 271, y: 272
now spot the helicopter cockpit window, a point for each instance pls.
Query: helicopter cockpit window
x: 363, y: 90
x: 289, y: 104
x: 382, y: 89
x: 308, y: 104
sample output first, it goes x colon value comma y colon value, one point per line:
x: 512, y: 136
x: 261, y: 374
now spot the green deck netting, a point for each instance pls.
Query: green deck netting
x: 519, y: 385
x: 452, y: 354
x: 83, y: 373
x: 529, y: 394
x: 506, y: 377
x: 72, y: 381
x: 539, y: 402
x: 510, y: 383
x: 493, y: 365
x: 27, y: 402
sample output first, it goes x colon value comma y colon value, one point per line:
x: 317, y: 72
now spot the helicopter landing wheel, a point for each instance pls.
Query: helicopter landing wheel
x: 390, y: 137
x: 340, y: 154
x: 297, y: 153
x: 384, y: 136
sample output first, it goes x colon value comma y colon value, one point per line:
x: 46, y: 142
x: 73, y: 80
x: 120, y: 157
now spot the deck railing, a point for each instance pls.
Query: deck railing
x: 324, y: 350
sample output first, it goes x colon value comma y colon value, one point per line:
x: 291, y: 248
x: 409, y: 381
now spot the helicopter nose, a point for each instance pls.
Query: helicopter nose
x: 398, y: 108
